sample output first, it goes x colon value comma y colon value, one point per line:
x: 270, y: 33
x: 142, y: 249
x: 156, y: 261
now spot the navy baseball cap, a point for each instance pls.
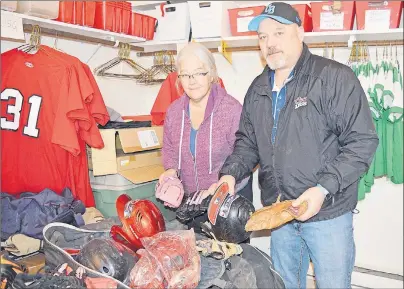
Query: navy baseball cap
x: 279, y: 11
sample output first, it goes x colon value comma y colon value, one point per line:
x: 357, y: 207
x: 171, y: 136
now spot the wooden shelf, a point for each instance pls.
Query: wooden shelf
x: 58, y: 28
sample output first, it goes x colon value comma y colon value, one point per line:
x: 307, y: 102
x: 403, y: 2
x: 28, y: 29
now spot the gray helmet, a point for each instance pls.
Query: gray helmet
x: 108, y: 257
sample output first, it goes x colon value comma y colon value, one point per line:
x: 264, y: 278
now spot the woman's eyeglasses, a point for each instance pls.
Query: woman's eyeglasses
x: 196, y: 76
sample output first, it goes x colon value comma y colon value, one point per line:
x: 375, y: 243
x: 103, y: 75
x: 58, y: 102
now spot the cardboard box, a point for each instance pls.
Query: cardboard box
x: 134, y: 153
x: 33, y: 262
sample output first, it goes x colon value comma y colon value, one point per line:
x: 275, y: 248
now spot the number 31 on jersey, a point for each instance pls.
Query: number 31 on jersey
x: 35, y: 101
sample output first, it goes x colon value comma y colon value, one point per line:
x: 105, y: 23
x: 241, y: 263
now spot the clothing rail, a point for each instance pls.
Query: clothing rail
x: 311, y: 45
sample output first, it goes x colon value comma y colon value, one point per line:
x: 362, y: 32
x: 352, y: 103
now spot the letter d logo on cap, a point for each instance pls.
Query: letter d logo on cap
x: 270, y: 9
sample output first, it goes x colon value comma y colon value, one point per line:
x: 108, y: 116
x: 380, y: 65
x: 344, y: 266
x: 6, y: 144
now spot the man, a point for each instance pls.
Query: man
x: 307, y: 123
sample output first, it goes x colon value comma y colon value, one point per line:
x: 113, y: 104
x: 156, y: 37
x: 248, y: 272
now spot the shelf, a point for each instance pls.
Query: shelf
x: 52, y: 27
x: 153, y: 45
x: 80, y: 33
x: 312, y: 37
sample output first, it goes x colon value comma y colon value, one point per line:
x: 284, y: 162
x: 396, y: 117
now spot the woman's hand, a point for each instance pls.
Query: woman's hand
x: 168, y: 173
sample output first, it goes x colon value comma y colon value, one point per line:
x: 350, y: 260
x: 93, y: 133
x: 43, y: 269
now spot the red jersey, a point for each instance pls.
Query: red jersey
x: 98, y: 113
x: 43, y: 126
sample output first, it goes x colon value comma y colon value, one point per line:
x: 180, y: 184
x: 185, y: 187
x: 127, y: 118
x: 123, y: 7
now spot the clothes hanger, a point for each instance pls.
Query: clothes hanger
x: 34, y: 40
x: 123, y: 57
x: 163, y: 63
x: 34, y: 44
x: 55, y: 43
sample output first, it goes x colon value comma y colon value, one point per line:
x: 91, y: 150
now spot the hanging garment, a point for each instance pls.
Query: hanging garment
x: 49, y: 110
x: 168, y: 93
x: 365, y: 74
x: 395, y: 117
x: 383, y: 83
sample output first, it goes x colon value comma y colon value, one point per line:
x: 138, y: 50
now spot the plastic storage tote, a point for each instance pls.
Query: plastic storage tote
x: 42, y: 9
x: 378, y: 15
x: 85, y: 11
x: 333, y: 15
x: 136, y: 24
x: 304, y: 11
x: 78, y: 12
x: 105, y: 16
x: 148, y: 26
x: 107, y: 189
x: 241, y: 17
x: 125, y: 18
x: 210, y: 18
x: 66, y: 11
x: 174, y: 22
x: 117, y: 16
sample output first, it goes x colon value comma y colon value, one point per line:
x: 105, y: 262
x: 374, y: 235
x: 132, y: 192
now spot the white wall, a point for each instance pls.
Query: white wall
x: 378, y: 227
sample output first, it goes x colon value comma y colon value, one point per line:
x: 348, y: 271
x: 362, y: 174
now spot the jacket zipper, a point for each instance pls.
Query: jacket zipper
x: 273, y: 154
x: 276, y: 136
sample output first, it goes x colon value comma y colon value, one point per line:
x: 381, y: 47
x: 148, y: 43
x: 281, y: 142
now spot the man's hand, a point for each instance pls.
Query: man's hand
x: 167, y: 173
x: 315, y: 198
x: 231, y: 182
x: 204, y: 194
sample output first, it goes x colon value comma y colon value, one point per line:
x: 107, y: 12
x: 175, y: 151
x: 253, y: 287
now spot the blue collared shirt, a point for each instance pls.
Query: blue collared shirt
x: 278, y: 101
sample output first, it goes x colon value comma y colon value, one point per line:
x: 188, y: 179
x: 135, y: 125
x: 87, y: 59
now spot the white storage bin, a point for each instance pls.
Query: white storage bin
x: 210, y: 18
x: 175, y: 24
x: 9, y: 5
x: 43, y: 9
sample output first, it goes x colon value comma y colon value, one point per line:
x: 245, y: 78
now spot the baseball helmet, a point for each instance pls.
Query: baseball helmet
x: 228, y: 215
x: 139, y: 218
x: 107, y: 257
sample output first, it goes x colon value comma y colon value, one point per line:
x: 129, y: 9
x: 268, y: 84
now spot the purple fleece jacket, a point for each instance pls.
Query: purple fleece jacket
x: 214, y: 140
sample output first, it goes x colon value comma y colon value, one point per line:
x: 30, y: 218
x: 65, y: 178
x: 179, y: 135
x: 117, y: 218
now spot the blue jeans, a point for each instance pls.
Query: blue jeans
x: 329, y: 244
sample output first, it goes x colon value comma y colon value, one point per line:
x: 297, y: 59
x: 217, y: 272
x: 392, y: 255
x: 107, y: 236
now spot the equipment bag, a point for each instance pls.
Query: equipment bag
x: 62, y: 242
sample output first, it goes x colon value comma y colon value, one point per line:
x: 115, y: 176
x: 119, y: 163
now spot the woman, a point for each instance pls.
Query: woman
x: 200, y: 127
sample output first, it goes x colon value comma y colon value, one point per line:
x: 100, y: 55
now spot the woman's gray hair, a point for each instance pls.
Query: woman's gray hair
x: 204, y: 55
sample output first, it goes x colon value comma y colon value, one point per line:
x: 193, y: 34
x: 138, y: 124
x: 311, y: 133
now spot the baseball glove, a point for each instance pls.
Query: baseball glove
x: 274, y: 216
x: 170, y: 191
x: 187, y: 211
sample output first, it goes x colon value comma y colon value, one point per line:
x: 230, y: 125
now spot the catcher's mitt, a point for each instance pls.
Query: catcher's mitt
x: 274, y: 216
x: 188, y: 211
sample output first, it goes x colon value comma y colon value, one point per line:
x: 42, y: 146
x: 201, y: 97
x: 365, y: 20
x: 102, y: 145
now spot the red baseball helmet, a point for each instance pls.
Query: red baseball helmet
x: 139, y: 218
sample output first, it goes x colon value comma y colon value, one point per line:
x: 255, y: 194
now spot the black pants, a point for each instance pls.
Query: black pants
x: 246, y: 192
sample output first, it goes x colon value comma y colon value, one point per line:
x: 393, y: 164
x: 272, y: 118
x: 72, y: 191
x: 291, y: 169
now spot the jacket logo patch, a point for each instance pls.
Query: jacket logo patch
x: 300, y: 101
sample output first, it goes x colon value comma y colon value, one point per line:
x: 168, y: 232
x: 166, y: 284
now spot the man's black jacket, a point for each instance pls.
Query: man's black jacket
x: 325, y: 136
